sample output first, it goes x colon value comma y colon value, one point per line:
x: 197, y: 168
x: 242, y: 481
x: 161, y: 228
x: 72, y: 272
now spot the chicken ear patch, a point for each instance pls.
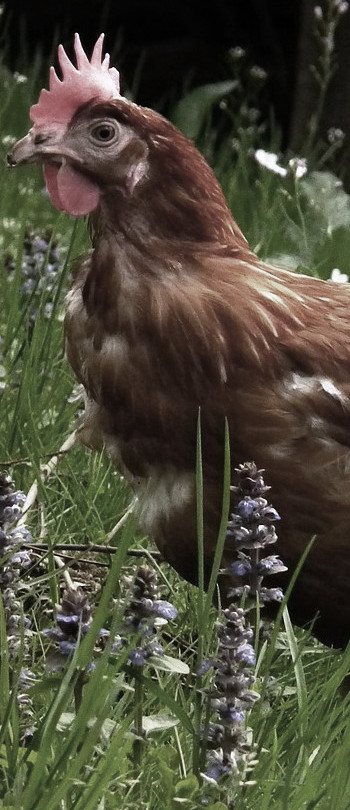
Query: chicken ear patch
x: 70, y: 190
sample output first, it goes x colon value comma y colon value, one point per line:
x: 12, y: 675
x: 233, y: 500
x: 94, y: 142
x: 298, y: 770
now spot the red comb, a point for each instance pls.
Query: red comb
x: 89, y: 79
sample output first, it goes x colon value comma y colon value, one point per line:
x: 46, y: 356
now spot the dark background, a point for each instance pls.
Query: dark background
x: 174, y: 45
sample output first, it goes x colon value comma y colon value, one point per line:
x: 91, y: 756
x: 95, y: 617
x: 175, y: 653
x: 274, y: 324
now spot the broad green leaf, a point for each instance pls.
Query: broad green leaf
x: 191, y: 113
x: 325, y: 193
x: 158, y: 722
x: 170, y: 664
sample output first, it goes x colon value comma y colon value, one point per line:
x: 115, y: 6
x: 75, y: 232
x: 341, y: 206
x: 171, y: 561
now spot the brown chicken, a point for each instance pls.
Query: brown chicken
x: 171, y: 311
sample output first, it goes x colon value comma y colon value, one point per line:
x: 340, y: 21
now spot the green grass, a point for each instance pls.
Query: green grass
x: 82, y: 754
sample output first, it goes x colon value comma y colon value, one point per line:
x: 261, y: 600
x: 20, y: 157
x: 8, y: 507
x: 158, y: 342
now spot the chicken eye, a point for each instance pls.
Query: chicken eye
x: 104, y: 133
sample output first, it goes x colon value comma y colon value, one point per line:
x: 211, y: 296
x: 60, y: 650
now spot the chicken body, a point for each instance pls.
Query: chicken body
x: 170, y: 312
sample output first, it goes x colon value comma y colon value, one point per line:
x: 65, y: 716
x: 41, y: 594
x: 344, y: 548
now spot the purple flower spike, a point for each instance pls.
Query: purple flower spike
x: 250, y: 530
x: 73, y: 621
x: 144, y: 607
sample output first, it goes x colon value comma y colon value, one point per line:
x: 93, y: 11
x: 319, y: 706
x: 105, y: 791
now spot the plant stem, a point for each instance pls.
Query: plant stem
x: 78, y: 691
x: 138, y: 743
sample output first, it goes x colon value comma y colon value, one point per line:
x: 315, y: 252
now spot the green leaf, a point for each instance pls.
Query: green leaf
x: 187, y: 788
x: 65, y: 721
x: 217, y: 806
x: 173, y: 705
x: 325, y: 193
x: 169, y: 664
x: 299, y: 672
x: 191, y: 113
x: 158, y: 722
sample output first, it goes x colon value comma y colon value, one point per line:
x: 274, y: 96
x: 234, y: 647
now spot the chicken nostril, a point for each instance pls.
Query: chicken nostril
x: 40, y: 137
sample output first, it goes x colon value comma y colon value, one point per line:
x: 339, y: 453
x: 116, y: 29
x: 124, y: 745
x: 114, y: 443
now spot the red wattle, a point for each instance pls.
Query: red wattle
x: 70, y: 190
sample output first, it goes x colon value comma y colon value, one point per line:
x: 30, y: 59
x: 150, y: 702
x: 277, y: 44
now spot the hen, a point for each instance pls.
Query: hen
x: 172, y: 311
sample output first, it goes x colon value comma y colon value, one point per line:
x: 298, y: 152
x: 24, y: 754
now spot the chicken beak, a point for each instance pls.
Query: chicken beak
x: 24, y: 151
x: 36, y: 147
x: 41, y: 147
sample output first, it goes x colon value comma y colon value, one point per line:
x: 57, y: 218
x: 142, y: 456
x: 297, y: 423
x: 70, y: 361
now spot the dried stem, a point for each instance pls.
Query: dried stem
x: 67, y: 577
x: 122, y: 520
x: 93, y: 548
x: 46, y: 471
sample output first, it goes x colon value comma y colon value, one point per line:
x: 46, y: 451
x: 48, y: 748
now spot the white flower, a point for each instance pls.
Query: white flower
x: 237, y: 52
x: 338, y: 276
x: 298, y: 166
x: 341, y: 6
x: 19, y: 78
x: 335, y: 135
x: 8, y: 140
x: 258, y: 73
x: 9, y: 224
x: 270, y: 161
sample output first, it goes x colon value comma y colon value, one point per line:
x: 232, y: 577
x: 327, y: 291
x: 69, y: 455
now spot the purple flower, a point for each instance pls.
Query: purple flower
x: 164, y: 609
x: 230, y: 714
x: 117, y: 645
x: 216, y: 770
x: 240, y: 535
x: 41, y: 270
x: 72, y: 623
x: 241, y: 568
x: 138, y: 656
x: 21, y: 559
x: 19, y: 534
x: 205, y: 667
x: 67, y: 647
x: 247, y: 507
x: 271, y: 595
x: 270, y: 565
x: 26, y: 678
x: 154, y: 648
x: 269, y: 514
x: 39, y: 244
x: 11, y: 513
x: 246, y: 654
x: 213, y: 734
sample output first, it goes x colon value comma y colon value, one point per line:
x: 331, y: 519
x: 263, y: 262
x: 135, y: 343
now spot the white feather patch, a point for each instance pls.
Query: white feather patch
x: 304, y: 385
x: 330, y: 388
x: 164, y: 493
